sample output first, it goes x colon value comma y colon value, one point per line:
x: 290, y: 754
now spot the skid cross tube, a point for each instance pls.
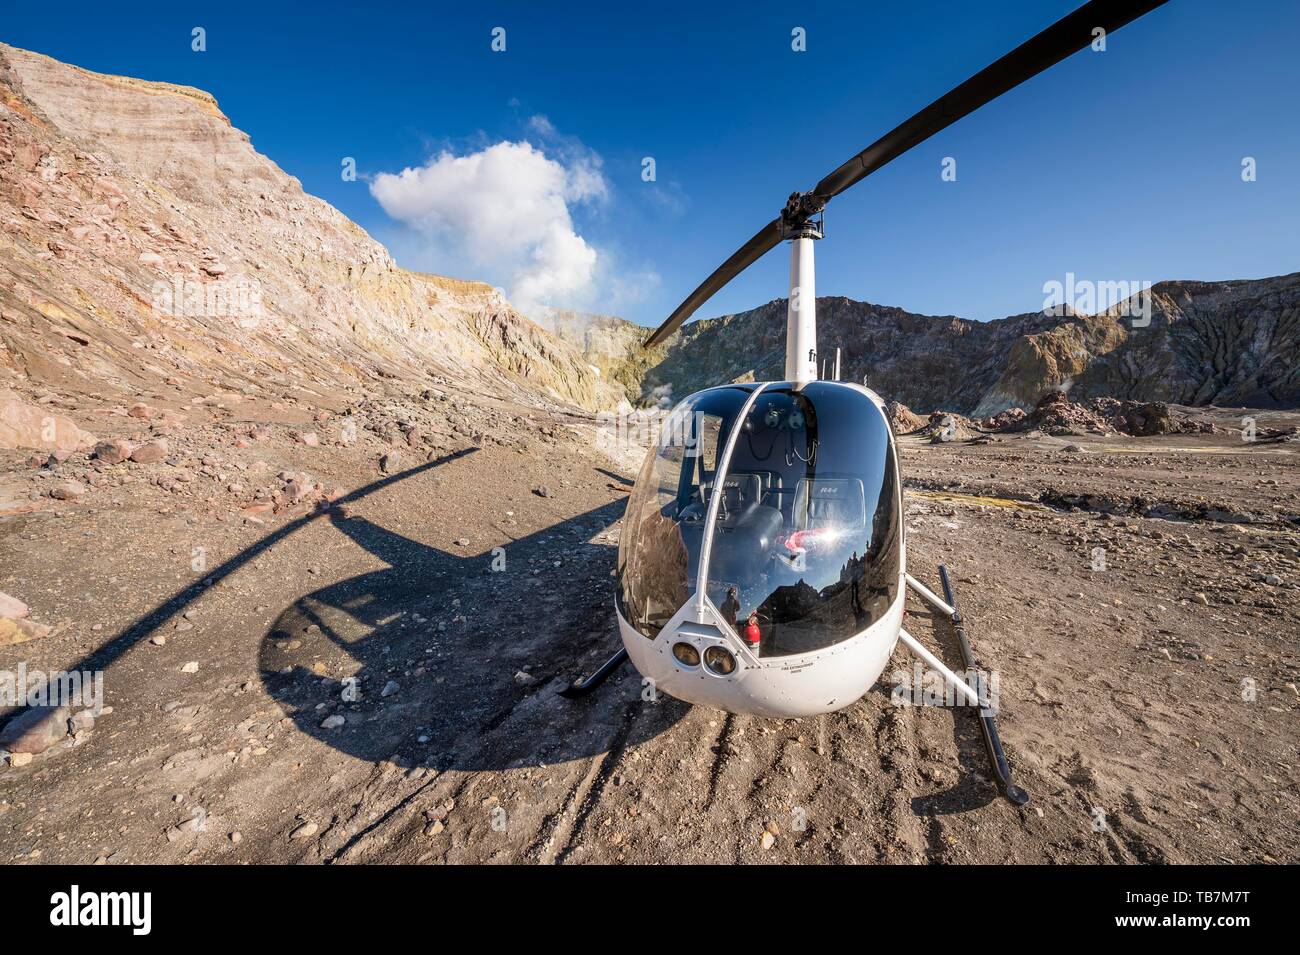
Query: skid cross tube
x: 930, y: 597
x: 935, y: 663
x: 583, y: 687
x: 988, y: 725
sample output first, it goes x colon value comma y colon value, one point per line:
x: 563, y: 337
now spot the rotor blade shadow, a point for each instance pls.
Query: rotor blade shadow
x: 106, y: 655
x: 614, y: 475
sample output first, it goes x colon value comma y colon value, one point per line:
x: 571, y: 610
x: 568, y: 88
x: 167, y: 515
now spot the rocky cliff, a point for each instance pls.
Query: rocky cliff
x: 143, y: 238
x: 1225, y: 343
x: 612, y: 346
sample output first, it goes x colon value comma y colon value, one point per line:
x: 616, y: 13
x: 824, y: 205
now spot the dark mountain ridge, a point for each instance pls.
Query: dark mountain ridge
x: 1225, y: 343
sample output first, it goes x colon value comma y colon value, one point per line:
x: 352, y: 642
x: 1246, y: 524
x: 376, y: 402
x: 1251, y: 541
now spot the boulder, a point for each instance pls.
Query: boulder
x: 113, y: 452
x: 902, y: 419
x: 11, y: 607
x: 20, y: 631
x: 150, y: 452
x: 36, y: 729
x: 27, y: 426
x: 67, y: 490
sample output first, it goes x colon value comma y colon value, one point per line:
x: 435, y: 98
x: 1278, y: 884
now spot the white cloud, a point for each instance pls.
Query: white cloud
x: 506, y: 211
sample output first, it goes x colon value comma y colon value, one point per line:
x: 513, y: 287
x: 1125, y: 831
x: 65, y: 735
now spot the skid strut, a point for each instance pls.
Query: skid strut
x: 583, y: 687
x: 988, y: 725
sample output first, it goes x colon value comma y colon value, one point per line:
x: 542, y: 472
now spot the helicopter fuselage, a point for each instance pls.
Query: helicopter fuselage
x: 762, y: 561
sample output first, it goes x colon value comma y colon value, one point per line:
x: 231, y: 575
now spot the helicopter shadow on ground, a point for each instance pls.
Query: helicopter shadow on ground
x: 445, y: 636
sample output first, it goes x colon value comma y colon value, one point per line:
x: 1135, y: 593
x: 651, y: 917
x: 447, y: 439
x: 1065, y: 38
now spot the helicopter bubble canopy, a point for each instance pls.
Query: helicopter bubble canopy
x: 801, y: 549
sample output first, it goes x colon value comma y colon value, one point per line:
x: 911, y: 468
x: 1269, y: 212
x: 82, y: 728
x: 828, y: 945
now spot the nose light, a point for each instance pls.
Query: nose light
x: 686, y: 654
x: 719, y: 660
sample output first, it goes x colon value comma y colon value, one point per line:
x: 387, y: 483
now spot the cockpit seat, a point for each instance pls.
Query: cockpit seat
x: 829, y: 502
x: 751, y: 528
x: 740, y: 492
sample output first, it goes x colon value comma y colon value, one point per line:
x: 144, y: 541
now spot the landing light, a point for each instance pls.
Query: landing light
x: 686, y: 654
x: 720, y: 661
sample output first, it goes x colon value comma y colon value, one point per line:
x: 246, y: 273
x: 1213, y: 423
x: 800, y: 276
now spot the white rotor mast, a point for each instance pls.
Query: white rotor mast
x: 802, y: 226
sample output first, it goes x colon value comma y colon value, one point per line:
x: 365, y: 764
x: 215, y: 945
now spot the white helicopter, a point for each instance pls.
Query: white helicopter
x: 762, y: 565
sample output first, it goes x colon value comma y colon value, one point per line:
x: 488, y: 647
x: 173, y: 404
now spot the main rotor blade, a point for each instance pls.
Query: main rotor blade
x: 766, y: 239
x: 1064, y: 37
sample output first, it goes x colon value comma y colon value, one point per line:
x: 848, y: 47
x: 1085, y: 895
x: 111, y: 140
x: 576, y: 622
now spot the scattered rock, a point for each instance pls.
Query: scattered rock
x: 82, y: 722
x: 12, y: 607
x: 1008, y: 420
x: 113, y: 452
x: 305, y: 831
x: 67, y: 490
x: 150, y: 452
x: 333, y: 722
x: 297, y: 489
x: 1056, y: 414
x: 191, y: 667
x: 35, y: 730
x: 255, y: 512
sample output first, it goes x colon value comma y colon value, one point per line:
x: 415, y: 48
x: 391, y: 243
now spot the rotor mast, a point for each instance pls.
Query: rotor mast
x: 801, y: 223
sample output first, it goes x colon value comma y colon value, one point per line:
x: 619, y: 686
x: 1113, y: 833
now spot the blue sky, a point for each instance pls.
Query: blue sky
x: 1122, y: 165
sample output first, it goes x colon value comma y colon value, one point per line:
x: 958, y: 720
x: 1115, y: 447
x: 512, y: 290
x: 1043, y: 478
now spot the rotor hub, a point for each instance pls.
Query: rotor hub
x: 802, y: 216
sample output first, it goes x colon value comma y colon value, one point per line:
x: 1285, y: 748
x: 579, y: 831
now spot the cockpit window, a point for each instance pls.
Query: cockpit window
x: 807, y: 547
x: 663, y: 527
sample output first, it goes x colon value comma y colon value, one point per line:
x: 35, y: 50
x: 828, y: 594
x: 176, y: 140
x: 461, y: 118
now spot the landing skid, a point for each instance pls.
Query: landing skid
x: 988, y: 725
x: 583, y: 687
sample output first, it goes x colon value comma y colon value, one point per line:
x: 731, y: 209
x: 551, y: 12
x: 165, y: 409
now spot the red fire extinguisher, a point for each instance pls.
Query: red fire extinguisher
x: 752, y: 635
